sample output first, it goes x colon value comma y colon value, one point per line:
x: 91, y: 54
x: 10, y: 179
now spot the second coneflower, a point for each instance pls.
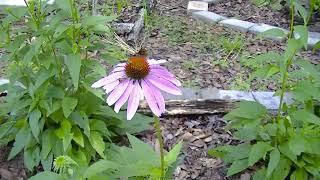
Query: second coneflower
x: 136, y: 79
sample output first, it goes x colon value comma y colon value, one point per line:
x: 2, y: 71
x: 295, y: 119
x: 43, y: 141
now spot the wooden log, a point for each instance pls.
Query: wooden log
x: 192, y: 107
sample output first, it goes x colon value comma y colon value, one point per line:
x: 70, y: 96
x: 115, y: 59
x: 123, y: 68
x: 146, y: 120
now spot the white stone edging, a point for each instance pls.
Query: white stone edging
x: 240, y: 25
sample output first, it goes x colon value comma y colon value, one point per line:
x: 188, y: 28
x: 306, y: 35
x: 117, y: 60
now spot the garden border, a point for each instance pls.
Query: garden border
x: 199, y: 10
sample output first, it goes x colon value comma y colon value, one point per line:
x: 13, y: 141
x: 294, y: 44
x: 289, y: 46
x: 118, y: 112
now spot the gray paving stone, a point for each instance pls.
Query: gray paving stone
x: 268, y: 100
x: 17, y: 2
x: 212, y: 1
x: 207, y: 16
x: 239, y: 25
x: 259, y: 28
x: 197, y: 6
x: 313, y: 38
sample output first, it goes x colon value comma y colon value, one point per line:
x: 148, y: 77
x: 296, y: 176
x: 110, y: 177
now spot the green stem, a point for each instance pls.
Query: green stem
x: 160, y: 139
x: 287, y: 65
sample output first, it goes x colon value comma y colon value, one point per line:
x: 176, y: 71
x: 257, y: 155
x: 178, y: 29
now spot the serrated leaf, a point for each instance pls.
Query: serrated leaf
x: 34, y: 118
x: 97, y: 142
x: 258, y: 151
x: 237, y: 166
x: 64, y: 133
x: 172, y: 156
x: 68, y: 105
x: 73, y: 63
x: 273, y: 161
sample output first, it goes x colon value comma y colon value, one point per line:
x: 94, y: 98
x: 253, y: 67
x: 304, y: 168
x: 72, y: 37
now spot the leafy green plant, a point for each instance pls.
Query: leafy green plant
x: 284, y: 145
x: 138, y: 162
x: 51, y: 109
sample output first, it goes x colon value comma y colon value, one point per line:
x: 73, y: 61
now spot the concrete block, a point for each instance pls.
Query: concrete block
x: 207, y: 16
x: 236, y: 24
x: 197, y: 6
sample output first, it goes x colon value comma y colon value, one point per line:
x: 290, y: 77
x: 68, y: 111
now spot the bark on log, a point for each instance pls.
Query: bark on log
x: 192, y: 107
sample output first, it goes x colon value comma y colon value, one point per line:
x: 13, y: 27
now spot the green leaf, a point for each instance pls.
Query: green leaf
x: 34, y: 118
x: 305, y: 116
x: 97, y: 142
x: 82, y: 121
x: 237, y: 166
x: 247, y: 133
x: 247, y: 110
x: 68, y: 105
x: 64, y: 5
x: 142, y: 148
x: 64, y: 133
x: 47, y: 175
x: 99, y: 167
x: 273, y: 33
x: 5, y: 128
x: 282, y: 170
x: 96, y: 20
x: 299, y: 174
x: 32, y: 157
x: 48, y: 139
x: 47, y: 162
x: 258, y: 151
x: 302, y: 34
x: 21, y: 140
x: 77, y: 136
x: 316, y: 47
x: 298, y: 144
x: 260, y: 174
x: 273, y: 161
x: 302, y: 11
x: 73, y: 62
x: 172, y: 156
x: 266, y: 72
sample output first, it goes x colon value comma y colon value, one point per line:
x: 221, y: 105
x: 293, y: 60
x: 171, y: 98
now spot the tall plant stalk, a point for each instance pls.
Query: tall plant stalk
x: 160, y: 139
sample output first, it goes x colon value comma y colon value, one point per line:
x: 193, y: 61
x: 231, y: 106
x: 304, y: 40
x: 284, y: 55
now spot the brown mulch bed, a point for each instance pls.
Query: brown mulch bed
x: 199, y: 133
x: 247, y: 11
x: 13, y: 169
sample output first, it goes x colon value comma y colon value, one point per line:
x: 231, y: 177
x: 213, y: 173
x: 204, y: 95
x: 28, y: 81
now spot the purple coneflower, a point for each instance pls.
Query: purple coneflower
x: 136, y: 79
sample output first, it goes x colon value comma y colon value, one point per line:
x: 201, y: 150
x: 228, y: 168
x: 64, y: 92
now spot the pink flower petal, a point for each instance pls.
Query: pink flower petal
x: 160, y: 69
x: 124, y: 97
x: 164, y: 85
x: 166, y: 77
x: 152, y: 102
x: 133, y: 101
x: 106, y: 80
x: 117, y: 92
x: 109, y: 87
x: 158, y: 96
x: 117, y: 69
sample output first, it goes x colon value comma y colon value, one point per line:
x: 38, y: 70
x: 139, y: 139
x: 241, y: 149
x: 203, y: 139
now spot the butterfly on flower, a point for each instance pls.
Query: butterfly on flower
x: 136, y: 79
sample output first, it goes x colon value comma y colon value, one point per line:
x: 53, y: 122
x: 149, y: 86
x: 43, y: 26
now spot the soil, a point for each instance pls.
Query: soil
x: 13, y: 169
x: 199, y: 134
x: 247, y: 11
